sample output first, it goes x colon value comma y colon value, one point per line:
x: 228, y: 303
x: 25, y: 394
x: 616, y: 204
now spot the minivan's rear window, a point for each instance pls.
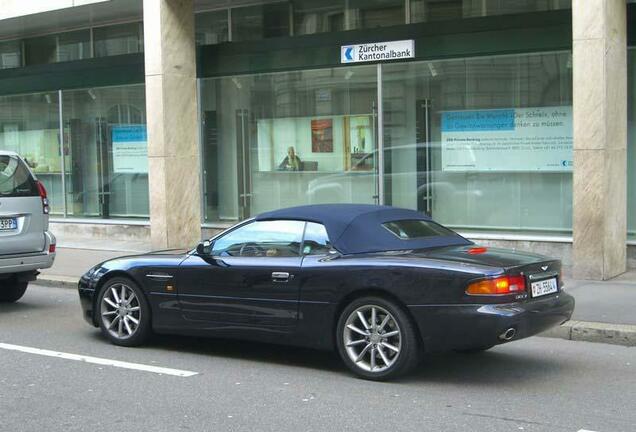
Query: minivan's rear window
x: 15, y: 178
x: 416, y: 229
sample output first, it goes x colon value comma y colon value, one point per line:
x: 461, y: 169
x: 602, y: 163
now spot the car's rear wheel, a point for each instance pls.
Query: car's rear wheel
x: 377, y: 339
x: 12, y: 290
x: 124, y: 313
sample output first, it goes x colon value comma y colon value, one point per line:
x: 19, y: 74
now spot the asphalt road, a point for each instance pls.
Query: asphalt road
x: 538, y: 384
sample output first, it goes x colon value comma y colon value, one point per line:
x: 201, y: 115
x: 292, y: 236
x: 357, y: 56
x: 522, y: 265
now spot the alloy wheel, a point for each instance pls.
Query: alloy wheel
x: 120, y: 311
x: 372, y: 338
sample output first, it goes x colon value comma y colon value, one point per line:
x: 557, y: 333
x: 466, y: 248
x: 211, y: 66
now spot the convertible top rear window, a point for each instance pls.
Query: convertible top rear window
x: 415, y: 229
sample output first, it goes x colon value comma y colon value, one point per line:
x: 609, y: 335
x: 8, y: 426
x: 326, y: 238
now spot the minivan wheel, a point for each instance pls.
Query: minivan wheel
x: 376, y: 339
x: 124, y: 313
x: 11, y: 290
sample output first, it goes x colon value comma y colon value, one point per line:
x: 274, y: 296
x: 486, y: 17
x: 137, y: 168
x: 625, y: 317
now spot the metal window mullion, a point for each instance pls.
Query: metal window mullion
x: 407, y: 11
x: 57, y: 48
x: 380, y: 137
x: 229, y: 25
x: 22, y: 53
x: 63, y: 164
x: 92, y: 43
x: 291, y: 19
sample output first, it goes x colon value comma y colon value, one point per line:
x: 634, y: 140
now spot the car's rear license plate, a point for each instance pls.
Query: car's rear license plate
x: 7, y: 224
x: 544, y: 287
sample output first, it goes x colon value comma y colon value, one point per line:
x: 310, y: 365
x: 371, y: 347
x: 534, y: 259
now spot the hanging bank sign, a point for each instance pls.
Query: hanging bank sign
x: 377, y: 52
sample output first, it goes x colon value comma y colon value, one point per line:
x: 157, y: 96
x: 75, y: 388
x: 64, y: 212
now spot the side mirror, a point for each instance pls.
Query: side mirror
x: 204, y: 248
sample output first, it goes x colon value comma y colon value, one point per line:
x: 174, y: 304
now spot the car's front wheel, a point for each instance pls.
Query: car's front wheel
x: 377, y: 339
x: 12, y: 290
x: 124, y: 313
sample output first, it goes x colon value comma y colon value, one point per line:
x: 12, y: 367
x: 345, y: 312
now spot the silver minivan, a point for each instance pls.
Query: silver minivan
x: 26, y: 245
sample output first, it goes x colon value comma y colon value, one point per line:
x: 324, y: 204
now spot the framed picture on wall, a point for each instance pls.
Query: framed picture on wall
x: 360, y: 143
x: 322, y: 136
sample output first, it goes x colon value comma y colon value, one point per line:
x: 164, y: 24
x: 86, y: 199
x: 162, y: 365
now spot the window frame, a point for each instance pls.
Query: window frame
x: 250, y: 222
x: 302, y: 246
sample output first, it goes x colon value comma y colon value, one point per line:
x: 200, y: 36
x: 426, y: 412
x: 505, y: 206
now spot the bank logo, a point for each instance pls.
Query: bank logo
x: 348, y: 54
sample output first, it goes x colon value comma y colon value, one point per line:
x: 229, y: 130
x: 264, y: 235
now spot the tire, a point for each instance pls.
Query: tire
x: 11, y: 290
x: 131, y: 310
x: 368, y: 352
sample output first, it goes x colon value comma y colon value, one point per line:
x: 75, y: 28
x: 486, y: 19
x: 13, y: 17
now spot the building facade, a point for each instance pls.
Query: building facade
x: 509, y: 121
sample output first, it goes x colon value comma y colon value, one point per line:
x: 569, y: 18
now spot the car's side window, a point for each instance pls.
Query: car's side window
x: 316, y: 240
x: 279, y: 238
x: 15, y: 179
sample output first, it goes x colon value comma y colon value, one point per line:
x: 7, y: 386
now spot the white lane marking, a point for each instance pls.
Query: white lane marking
x: 99, y: 361
x: 585, y: 430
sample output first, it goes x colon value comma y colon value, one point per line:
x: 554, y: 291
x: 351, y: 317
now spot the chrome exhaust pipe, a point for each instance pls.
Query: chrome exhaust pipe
x: 508, y: 335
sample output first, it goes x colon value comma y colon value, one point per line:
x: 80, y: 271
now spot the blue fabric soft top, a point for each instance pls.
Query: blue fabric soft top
x: 357, y: 228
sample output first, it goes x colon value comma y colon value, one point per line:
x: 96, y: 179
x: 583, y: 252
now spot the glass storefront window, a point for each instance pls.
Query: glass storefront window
x: 57, y: 48
x: 118, y: 39
x: 364, y: 14
x: 261, y: 21
x: 440, y: 10
x: 10, y: 54
x: 278, y: 140
x: 29, y: 126
x: 105, y: 148
x: 318, y: 17
x: 212, y: 28
x: 482, y: 143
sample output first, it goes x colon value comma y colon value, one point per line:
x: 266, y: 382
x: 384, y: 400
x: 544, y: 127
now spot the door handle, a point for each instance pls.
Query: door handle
x: 280, y: 277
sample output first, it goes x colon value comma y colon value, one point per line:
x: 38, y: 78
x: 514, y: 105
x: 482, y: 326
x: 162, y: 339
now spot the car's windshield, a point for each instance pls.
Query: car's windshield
x: 15, y: 179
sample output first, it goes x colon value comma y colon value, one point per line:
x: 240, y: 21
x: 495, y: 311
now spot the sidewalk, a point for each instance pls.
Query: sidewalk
x: 605, y: 311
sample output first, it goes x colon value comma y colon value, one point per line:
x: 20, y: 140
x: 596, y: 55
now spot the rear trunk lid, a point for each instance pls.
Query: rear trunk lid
x: 22, y: 220
x: 506, y: 259
x: 542, y: 274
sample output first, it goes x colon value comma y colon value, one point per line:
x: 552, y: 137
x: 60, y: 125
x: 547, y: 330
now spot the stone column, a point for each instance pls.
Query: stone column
x: 600, y: 138
x: 171, y: 107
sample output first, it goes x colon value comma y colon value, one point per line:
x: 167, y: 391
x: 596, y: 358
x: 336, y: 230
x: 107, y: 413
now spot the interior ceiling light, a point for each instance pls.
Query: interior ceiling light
x: 431, y: 68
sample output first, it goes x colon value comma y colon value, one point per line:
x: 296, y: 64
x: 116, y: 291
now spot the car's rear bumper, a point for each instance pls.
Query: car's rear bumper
x: 448, y: 327
x: 12, y: 264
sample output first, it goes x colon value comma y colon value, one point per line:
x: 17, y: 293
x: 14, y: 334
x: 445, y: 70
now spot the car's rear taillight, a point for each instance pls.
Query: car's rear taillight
x: 498, y: 286
x: 52, y: 248
x: 43, y: 195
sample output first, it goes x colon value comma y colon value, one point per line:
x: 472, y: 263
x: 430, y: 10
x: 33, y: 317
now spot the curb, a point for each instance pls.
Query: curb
x: 614, y: 334
x: 56, y: 281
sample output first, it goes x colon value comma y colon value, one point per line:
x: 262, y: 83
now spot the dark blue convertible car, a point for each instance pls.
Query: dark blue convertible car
x: 380, y: 285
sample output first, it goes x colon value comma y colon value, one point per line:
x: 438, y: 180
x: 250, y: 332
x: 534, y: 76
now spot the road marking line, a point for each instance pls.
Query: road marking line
x: 585, y: 430
x: 99, y: 361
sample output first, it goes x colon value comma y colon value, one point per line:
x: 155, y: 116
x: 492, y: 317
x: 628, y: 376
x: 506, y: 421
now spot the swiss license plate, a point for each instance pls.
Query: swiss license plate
x: 7, y: 224
x: 544, y: 287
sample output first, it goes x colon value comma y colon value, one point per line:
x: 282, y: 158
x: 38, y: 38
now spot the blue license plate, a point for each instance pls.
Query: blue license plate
x: 8, y: 224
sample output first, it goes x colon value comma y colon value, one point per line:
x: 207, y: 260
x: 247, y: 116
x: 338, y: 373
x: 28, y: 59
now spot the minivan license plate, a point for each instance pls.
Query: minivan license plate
x: 7, y: 224
x: 544, y: 287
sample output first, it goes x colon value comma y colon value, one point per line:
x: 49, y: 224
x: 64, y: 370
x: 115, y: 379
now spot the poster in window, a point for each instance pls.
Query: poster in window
x: 130, y: 149
x: 322, y: 136
x: 509, y: 140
